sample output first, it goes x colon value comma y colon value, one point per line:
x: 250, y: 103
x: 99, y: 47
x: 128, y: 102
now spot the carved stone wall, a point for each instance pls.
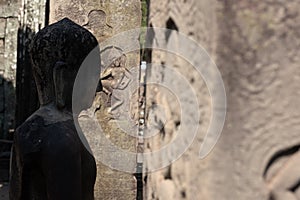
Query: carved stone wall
x: 106, y: 19
x: 197, y: 20
x: 258, y: 57
x: 255, y: 45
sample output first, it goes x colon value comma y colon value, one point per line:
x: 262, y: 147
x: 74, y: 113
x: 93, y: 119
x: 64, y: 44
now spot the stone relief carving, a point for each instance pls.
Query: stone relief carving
x: 282, y: 175
x: 97, y: 23
x: 114, y: 78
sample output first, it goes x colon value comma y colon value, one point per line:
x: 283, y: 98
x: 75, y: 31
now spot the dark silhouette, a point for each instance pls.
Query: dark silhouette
x: 49, y: 160
x: 26, y: 94
x: 7, y: 103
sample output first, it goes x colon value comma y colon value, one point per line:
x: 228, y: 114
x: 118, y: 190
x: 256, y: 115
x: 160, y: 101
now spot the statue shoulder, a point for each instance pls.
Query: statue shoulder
x: 28, y: 136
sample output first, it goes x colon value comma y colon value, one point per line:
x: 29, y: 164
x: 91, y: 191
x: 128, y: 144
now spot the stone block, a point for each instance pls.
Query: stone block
x: 2, y: 45
x: 2, y: 27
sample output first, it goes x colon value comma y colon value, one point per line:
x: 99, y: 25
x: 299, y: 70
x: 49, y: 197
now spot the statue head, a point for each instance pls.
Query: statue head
x: 57, y: 52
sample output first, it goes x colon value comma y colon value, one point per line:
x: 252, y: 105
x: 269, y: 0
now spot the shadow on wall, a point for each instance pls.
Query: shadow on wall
x: 7, y: 104
x: 26, y: 93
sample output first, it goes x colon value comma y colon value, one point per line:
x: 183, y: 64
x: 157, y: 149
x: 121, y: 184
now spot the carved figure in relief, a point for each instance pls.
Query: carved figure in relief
x: 284, y: 185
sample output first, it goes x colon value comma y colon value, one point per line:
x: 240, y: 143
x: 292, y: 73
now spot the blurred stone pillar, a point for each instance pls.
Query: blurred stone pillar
x: 258, y: 56
x: 255, y: 45
x: 183, y: 179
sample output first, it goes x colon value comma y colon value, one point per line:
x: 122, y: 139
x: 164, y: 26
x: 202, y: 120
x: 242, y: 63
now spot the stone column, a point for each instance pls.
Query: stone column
x: 255, y: 45
x: 197, y: 20
x: 258, y: 56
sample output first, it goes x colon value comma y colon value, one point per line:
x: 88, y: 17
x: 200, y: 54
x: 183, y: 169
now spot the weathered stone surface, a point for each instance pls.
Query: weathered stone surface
x: 195, y: 19
x: 258, y: 58
x: 10, y: 8
x: 11, y: 48
x: 2, y: 27
x: 1, y: 45
x: 255, y: 44
x: 103, y: 18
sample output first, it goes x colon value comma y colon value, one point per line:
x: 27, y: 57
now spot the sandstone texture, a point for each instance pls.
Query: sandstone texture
x: 255, y: 45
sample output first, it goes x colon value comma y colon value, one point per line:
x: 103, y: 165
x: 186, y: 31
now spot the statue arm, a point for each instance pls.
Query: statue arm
x: 20, y: 173
x: 15, y: 179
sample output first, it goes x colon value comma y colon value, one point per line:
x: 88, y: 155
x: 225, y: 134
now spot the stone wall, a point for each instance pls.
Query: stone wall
x: 255, y: 45
x: 197, y: 20
x: 258, y: 57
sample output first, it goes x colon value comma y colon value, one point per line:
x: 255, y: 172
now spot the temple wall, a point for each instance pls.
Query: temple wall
x: 254, y: 44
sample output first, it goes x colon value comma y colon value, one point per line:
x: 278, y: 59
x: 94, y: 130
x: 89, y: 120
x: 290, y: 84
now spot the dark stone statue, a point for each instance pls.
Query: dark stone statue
x: 49, y: 160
